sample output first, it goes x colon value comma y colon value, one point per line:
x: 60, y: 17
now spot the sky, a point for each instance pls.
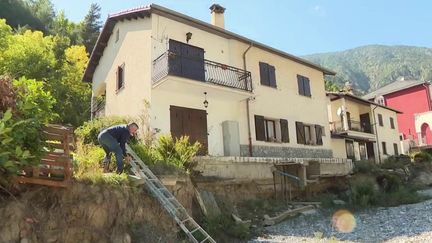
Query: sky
x: 299, y: 27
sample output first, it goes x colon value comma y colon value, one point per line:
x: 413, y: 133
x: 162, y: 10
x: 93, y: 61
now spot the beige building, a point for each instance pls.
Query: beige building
x: 362, y: 129
x: 234, y: 95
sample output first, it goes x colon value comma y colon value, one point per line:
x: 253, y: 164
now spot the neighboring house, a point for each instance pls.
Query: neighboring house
x: 362, y: 129
x: 411, y: 97
x: 235, y: 96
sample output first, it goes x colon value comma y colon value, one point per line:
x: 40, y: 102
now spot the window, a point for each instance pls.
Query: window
x: 395, y: 147
x: 303, y: 86
x: 380, y: 120
x: 267, y: 74
x: 120, y: 77
x: 363, y: 152
x: 349, y: 146
x: 392, y: 123
x: 309, y: 134
x: 271, y: 130
x: 117, y: 36
x: 384, y: 147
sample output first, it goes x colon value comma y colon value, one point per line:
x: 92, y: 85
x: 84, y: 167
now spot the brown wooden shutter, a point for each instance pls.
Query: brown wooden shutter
x: 306, y: 87
x: 264, y: 73
x: 318, y: 132
x: 300, y: 84
x: 259, y: 128
x: 284, y: 130
x: 300, y: 133
x: 272, y: 76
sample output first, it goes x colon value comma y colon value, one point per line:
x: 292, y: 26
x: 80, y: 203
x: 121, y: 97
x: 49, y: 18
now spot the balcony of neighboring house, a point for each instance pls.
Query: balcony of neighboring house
x: 184, y: 66
x: 98, y: 107
x: 362, y: 130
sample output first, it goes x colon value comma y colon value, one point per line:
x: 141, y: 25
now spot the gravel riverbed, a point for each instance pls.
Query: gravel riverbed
x: 406, y: 223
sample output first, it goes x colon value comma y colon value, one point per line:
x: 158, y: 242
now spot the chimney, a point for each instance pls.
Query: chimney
x: 217, y: 12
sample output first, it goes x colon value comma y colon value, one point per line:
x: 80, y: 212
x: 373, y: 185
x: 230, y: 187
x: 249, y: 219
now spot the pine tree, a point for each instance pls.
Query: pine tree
x: 91, y: 27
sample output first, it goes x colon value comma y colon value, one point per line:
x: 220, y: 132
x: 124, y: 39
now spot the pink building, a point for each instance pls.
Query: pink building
x: 411, y: 97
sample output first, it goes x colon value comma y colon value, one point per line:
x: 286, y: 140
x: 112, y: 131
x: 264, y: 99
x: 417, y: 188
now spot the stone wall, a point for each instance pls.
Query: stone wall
x: 287, y: 152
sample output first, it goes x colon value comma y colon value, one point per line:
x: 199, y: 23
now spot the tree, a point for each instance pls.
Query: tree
x: 62, y: 26
x: 43, y: 10
x: 91, y: 27
x: 18, y: 14
x: 330, y: 86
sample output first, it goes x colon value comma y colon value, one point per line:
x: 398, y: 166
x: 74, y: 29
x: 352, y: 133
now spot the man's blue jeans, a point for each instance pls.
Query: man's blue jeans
x: 109, y: 145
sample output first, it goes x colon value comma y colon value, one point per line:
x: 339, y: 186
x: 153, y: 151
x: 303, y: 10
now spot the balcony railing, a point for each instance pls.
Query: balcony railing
x: 98, y: 108
x: 170, y: 63
x: 352, y: 126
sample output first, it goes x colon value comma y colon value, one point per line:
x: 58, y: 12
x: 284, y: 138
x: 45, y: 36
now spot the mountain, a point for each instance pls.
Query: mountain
x: 373, y: 66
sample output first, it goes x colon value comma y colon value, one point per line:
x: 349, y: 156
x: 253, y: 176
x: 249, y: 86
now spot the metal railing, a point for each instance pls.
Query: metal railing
x: 98, y: 108
x: 357, y: 126
x: 214, y: 72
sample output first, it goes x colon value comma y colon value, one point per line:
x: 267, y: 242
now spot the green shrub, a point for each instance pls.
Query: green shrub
x: 89, y: 131
x: 389, y: 183
x: 223, y: 224
x: 145, y: 152
x: 396, y: 162
x: 363, y: 192
x: 365, y: 167
x: 21, y: 144
x: 422, y: 157
x: 178, y: 152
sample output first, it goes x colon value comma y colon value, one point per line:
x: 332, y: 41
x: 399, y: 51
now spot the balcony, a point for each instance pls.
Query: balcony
x: 200, y: 70
x: 98, y: 107
x: 354, y: 130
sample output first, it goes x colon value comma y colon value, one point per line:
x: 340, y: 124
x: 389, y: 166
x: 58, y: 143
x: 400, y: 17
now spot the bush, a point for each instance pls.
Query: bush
x: 389, y: 183
x: 7, y: 94
x: 422, y: 157
x: 365, y: 167
x: 89, y: 131
x: 396, y: 162
x: 223, y: 224
x: 21, y: 144
x: 364, y: 193
x: 178, y: 152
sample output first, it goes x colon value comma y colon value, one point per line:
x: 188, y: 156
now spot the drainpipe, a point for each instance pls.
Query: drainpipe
x: 376, y: 134
x: 247, y: 105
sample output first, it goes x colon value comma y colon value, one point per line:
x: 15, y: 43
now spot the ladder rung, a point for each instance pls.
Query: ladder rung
x: 208, y: 236
x: 189, y: 218
x: 193, y: 231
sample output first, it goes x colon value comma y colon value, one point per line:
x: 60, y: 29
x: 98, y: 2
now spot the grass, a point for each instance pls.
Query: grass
x: 87, y: 167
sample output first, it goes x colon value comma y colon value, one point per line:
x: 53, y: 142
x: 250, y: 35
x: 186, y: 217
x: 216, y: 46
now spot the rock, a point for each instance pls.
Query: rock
x: 309, y: 212
x: 338, y: 202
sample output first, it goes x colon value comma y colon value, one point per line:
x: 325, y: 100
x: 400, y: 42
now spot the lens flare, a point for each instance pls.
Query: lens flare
x: 344, y: 221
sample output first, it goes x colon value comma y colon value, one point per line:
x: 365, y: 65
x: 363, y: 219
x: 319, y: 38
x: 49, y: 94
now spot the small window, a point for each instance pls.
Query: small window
x: 271, y: 130
x: 308, y: 134
x: 267, y: 74
x: 303, y: 85
x: 384, y: 147
x: 392, y: 123
x: 380, y: 120
x: 117, y: 35
x: 396, y: 152
x: 120, y: 77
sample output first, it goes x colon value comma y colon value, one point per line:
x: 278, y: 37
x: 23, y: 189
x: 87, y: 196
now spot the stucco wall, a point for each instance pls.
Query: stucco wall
x: 132, y: 50
x: 385, y: 133
x: 420, y: 119
x: 409, y: 101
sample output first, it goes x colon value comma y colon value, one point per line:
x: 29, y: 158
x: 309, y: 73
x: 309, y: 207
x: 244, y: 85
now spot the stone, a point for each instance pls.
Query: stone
x: 207, y: 203
x: 309, y: 212
x: 338, y: 202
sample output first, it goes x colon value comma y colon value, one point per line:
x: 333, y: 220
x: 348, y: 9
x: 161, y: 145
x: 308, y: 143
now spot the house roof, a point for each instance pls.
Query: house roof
x: 338, y: 95
x: 146, y: 11
x: 393, y: 87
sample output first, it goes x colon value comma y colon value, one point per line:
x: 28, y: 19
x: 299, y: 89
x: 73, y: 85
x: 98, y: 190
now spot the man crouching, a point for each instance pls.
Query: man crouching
x: 114, y: 139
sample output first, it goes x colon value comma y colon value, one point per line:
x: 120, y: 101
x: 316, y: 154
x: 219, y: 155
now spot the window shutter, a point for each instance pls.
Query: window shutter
x: 300, y: 84
x: 380, y: 120
x: 259, y: 128
x: 306, y: 83
x: 300, y: 133
x: 284, y: 130
x: 264, y: 73
x: 272, y: 76
x: 319, y: 134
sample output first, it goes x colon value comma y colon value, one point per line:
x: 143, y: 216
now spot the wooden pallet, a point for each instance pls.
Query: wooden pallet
x: 55, y: 168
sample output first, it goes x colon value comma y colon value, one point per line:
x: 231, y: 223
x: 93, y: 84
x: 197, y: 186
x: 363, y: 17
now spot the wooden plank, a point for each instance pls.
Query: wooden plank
x: 52, y: 171
x: 52, y: 162
x: 59, y: 146
x: 45, y: 182
x: 52, y: 136
x: 57, y: 130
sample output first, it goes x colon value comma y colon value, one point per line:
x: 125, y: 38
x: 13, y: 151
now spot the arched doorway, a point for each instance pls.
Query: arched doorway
x: 426, y: 134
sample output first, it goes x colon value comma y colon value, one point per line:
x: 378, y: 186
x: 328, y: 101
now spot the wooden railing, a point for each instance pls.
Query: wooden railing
x: 55, y: 168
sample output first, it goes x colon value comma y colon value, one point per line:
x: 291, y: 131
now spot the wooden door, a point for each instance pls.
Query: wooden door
x: 370, y: 150
x: 192, y: 123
